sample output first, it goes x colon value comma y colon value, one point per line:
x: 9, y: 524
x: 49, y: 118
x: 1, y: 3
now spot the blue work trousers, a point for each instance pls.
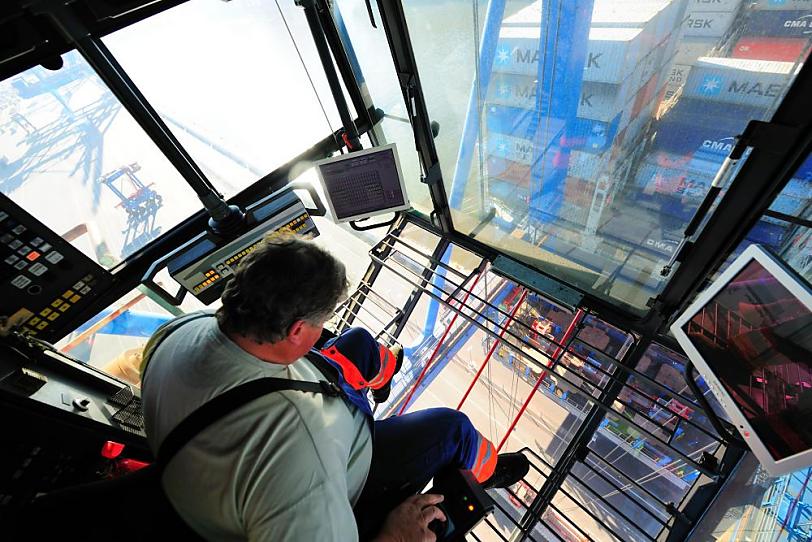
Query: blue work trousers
x: 408, y: 450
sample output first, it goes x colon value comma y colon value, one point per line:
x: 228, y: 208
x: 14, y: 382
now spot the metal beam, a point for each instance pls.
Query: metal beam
x: 397, y: 34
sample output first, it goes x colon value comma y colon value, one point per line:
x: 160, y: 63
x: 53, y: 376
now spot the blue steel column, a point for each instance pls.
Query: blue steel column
x: 563, y: 39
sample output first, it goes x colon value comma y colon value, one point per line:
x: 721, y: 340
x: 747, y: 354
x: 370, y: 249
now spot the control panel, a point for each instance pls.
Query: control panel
x: 204, y: 265
x: 43, y: 278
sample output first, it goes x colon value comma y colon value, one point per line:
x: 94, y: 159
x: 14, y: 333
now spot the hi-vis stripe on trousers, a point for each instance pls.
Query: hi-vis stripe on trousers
x: 408, y: 450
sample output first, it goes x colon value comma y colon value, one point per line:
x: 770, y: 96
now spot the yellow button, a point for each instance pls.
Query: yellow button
x: 42, y: 325
x: 34, y: 321
x: 45, y: 312
x: 56, y: 303
x: 53, y: 316
x: 75, y: 298
x: 67, y: 294
x: 64, y: 307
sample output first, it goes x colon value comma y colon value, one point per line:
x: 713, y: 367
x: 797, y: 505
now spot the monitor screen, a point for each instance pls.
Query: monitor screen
x: 362, y: 184
x: 754, y: 334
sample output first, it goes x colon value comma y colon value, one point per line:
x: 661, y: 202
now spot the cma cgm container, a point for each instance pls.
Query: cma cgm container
x: 758, y: 83
x: 778, y: 24
x: 696, y: 128
x: 782, y: 4
x: 780, y: 49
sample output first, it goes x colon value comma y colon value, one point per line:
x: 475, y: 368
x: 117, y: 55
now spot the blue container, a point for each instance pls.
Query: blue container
x: 756, y: 83
x: 703, y: 130
x: 591, y: 135
x: 775, y: 24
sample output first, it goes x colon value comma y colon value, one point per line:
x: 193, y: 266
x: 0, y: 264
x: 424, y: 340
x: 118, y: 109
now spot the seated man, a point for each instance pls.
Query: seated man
x: 293, y: 465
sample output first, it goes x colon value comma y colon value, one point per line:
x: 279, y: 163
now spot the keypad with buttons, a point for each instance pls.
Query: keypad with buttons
x: 43, y: 279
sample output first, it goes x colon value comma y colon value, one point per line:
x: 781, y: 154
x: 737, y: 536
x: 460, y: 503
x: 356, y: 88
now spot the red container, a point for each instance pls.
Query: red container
x: 780, y: 49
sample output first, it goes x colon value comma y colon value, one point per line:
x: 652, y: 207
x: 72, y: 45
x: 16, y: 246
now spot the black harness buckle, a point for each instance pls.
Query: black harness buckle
x: 330, y: 388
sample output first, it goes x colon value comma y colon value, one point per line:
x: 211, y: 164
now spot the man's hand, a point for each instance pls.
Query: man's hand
x: 409, y: 522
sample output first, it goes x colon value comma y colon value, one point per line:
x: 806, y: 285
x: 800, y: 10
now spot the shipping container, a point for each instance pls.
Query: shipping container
x: 798, y: 252
x: 780, y: 49
x: 611, y: 55
x: 599, y: 101
x: 688, y: 50
x: 585, y: 165
x: 515, y: 173
x: 707, y: 24
x: 778, y: 24
x: 713, y: 5
x: 781, y: 4
x: 703, y: 130
x: 677, y: 76
x: 578, y: 134
x: 758, y: 83
x: 590, y: 135
x: 523, y: 123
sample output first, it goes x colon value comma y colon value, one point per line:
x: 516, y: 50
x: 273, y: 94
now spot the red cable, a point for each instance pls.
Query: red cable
x: 507, y: 323
x: 439, y: 344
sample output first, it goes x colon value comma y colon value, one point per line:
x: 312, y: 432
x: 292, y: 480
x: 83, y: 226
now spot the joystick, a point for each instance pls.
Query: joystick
x: 464, y: 504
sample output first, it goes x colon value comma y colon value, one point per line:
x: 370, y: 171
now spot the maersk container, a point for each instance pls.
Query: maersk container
x: 713, y: 5
x: 781, y: 4
x: 599, y: 101
x: 780, y: 49
x: 758, y: 83
x: 611, y: 55
x: 778, y: 24
x: 509, y: 147
x: 707, y: 24
x: 523, y: 123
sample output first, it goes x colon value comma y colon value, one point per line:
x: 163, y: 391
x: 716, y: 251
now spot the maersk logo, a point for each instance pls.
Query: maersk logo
x: 711, y: 85
x: 805, y: 21
x: 503, y: 56
x: 724, y: 145
x: 772, y: 90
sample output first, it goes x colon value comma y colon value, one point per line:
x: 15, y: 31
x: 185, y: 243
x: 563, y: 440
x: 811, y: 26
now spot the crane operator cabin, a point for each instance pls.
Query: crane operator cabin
x: 487, y: 270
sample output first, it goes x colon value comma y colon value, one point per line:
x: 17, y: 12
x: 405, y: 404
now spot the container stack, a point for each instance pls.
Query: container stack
x: 625, y: 70
x: 713, y: 97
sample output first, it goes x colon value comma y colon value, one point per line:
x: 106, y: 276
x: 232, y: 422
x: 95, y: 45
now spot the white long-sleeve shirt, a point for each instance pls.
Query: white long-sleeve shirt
x: 286, y: 467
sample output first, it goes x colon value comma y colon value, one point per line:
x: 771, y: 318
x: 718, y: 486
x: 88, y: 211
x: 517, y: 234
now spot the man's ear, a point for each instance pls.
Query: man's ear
x: 296, y: 332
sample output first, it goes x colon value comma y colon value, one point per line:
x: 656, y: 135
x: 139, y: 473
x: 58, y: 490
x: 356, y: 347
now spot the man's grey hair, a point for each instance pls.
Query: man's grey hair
x: 284, y: 280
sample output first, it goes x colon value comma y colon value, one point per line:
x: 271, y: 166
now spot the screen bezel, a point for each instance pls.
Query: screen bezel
x: 797, y: 287
x: 349, y: 156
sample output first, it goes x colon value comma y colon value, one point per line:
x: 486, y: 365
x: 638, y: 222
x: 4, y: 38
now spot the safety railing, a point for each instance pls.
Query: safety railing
x: 632, y: 473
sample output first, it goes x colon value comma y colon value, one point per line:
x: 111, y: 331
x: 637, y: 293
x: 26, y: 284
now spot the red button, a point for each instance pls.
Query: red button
x: 33, y: 255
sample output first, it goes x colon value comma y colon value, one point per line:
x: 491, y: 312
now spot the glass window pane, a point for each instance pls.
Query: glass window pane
x: 245, y: 103
x: 113, y: 340
x: 591, y: 130
x: 376, y: 73
x: 72, y: 156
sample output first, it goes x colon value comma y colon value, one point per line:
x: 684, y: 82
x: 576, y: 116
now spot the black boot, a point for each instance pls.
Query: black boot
x: 510, y: 468
x: 382, y: 394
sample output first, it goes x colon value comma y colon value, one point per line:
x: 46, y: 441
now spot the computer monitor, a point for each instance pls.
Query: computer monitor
x: 750, y: 336
x: 361, y: 184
